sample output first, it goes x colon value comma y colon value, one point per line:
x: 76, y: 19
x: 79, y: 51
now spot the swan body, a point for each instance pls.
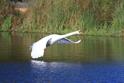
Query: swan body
x: 39, y: 46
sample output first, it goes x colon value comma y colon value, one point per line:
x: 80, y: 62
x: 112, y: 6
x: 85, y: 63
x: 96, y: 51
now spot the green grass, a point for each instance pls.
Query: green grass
x: 93, y: 17
x: 118, y: 18
x: 6, y: 24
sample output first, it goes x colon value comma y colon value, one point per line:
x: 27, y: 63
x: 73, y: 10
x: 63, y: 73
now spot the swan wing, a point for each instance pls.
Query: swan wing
x: 37, y: 51
x: 67, y: 41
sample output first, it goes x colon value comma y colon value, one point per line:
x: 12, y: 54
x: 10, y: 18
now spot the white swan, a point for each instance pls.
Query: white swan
x: 39, y: 46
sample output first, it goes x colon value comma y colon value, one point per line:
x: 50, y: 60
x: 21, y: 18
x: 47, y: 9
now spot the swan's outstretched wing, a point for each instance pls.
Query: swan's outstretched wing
x: 66, y: 41
x: 37, y: 51
x: 36, y: 54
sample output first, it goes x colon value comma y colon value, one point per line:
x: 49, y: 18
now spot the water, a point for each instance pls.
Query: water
x: 94, y: 60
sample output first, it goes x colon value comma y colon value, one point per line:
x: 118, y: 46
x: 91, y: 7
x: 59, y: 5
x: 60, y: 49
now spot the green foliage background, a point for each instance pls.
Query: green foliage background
x: 93, y: 17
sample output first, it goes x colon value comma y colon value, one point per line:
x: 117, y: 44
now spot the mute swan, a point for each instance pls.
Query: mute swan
x: 39, y: 46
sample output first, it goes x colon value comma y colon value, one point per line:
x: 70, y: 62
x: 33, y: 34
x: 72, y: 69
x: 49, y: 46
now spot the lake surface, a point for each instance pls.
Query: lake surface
x: 94, y: 60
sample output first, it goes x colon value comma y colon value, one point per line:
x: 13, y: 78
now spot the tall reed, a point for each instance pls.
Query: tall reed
x: 118, y: 18
x: 93, y: 17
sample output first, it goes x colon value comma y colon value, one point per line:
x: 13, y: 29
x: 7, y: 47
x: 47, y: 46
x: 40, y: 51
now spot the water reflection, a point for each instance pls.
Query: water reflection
x: 35, y: 71
x: 15, y: 47
x: 54, y: 68
x: 59, y: 72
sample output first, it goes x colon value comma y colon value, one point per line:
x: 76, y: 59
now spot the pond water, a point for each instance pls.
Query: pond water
x: 94, y: 60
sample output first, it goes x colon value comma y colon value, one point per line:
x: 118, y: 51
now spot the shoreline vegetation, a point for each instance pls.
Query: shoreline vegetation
x: 93, y: 17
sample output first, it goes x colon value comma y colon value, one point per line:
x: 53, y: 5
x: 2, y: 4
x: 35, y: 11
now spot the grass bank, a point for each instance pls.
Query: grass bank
x: 93, y: 17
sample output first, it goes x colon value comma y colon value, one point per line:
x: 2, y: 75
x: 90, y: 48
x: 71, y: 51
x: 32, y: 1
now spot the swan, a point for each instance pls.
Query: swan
x: 39, y: 46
